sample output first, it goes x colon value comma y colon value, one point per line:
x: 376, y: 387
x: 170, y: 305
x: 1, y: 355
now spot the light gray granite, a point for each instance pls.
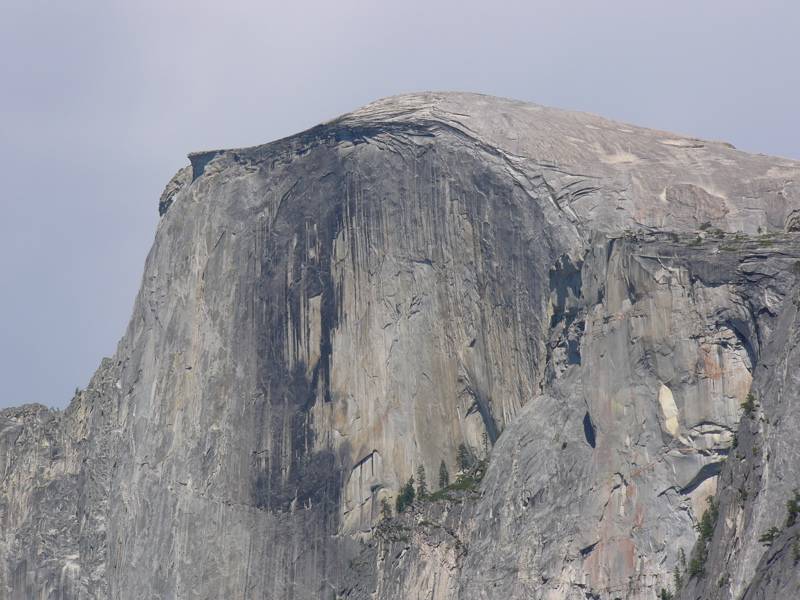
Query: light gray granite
x: 584, y: 303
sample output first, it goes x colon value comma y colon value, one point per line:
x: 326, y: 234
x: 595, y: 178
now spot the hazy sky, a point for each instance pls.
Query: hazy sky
x: 100, y: 101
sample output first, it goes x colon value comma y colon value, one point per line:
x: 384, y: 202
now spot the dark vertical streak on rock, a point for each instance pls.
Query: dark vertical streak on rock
x: 589, y: 430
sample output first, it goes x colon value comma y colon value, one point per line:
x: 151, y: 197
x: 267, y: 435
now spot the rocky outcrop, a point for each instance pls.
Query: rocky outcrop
x: 181, y: 179
x: 755, y: 548
x: 582, y: 303
x: 636, y: 428
x: 54, y: 499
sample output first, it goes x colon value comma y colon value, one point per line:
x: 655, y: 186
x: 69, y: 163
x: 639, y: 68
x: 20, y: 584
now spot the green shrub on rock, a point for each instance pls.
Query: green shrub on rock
x: 406, y: 496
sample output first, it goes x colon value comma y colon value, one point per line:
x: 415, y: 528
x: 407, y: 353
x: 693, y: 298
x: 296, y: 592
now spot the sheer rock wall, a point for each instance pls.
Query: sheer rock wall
x: 322, y: 315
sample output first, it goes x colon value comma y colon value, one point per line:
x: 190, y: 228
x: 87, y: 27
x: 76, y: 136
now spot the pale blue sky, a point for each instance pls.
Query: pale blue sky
x: 101, y: 100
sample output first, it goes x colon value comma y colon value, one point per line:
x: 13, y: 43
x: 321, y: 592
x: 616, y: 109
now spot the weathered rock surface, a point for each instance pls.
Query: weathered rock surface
x: 758, y: 480
x: 586, y: 303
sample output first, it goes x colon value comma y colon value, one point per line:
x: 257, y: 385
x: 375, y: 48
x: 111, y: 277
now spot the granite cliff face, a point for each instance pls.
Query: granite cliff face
x: 583, y: 306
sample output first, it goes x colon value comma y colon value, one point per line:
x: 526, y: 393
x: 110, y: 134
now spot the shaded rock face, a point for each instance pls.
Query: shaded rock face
x: 582, y: 303
x: 608, y: 470
x: 758, y: 480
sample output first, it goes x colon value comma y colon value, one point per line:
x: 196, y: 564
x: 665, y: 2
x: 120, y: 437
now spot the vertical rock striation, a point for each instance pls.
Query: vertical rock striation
x: 582, y: 303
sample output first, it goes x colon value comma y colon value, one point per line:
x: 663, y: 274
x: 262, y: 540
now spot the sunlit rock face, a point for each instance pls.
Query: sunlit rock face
x: 579, y: 302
